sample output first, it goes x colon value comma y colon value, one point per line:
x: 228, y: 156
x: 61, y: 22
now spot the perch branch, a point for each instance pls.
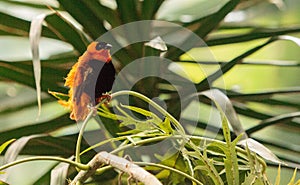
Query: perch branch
x: 134, y: 171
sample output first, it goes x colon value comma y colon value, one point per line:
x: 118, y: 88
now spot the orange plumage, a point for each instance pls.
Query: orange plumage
x: 89, y: 78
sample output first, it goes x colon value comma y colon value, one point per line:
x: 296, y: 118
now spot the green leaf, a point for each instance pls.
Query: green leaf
x: 14, y: 149
x: 150, y: 8
x: 37, y: 5
x: 206, y: 26
x: 204, y: 84
x: 67, y: 32
x: 292, y: 181
x: 231, y: 162
x: 59, y: 96
x: 139, y: 110
x: 274, y: 120
x: 11, y: 25
x: 44, y: 127
x: 251, y: 161
x: 45, y: 178
x: 107, y: 114
x: 8, y: 72
x: 85, y: 16
x: 127, y: 10
x: 165, y: 126
x: 250, y: 179
x: 212, y: 21
x: 48, y: 145
x: 175, y: 161
x: 143, y: 112
x: 252, y: 35
x: 4, y: 145
x: 209, y: 167
x: 103, y: 12
x: 190, y: 11
x: 22, y: 72
x: 277, y: 181
x: 140, y: 125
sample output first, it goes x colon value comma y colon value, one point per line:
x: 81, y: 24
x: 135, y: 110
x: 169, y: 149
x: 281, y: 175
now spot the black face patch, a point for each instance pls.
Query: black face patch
x: 102, y: 45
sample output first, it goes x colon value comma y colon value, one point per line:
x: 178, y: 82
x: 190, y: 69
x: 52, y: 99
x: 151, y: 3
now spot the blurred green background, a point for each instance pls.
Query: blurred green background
x: 275, y: 68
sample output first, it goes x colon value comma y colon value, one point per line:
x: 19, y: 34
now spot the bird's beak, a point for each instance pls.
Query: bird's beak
x: 108, y: 46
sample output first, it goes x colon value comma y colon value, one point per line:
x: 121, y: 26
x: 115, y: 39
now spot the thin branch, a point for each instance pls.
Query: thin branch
x: 49, y: 158
x: 171, y: 169
x: 141, y: 142
x: 133, y: 170
x: 80, y: 135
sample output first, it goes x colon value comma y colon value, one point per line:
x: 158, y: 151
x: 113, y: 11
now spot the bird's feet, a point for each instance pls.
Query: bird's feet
x: 105, y: 98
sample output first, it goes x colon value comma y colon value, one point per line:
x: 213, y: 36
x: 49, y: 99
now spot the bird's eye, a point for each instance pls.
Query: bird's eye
x: 101, y: 45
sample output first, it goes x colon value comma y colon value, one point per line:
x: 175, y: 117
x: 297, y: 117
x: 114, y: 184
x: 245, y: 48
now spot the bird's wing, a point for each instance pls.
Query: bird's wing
x: 84, y: 87
x: 82, y: 79
x: 82, y: 94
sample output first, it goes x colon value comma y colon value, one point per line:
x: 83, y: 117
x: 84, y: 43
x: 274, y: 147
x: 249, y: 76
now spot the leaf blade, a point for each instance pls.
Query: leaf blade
x: 83, y: 14
x: 4, y: 145
x: 34, y: 37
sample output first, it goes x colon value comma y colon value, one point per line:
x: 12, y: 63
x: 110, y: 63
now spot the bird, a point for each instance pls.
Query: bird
x: 89, y: 79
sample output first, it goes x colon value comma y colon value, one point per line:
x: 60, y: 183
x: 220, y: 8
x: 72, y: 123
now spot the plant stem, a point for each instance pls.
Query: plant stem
x: 50, y: 158
x: 82, y: 128
x: 141, y: 142
x: 155, y: 105
x: 80, y: 135
x: 169, y: 168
